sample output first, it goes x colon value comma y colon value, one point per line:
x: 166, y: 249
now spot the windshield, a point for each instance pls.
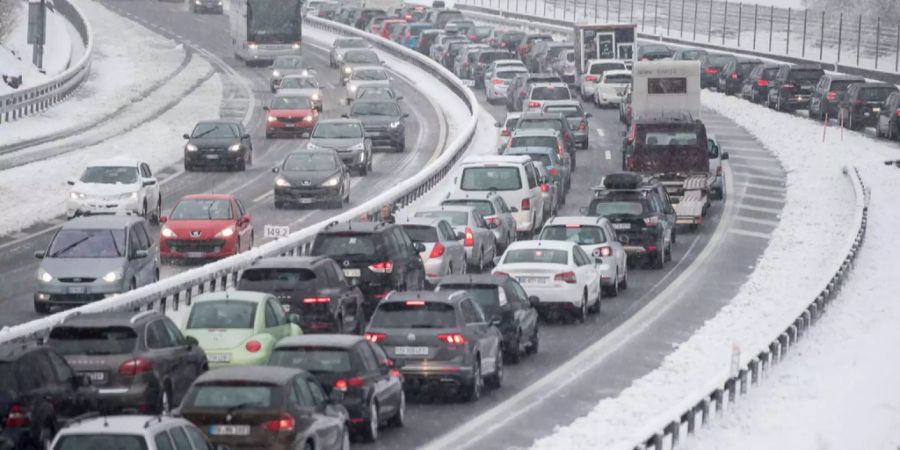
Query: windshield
x: 644, y: 49
x: 512, y: 36
x: 292, y: 102
x: 581, y: 235
x: 370, y: 75
x: 307, y: 161
x: 456, y: 218
x: 88, y: 244
x: 246, y: 394
x: 361, y: 57
x: 550, y: 93
x: 491, y: 178
x: 509, y: 74
x: 222, y: 314
x: 294, y: 279
x: 414, y: 315
x: 325, y: 130
x: 842, y: 85
x: 215, y: 130
x: 312, y: 359
x: 876, y: 94
x: 616, y: 208
x: 273, y: 21
x: 536, y: 255
x: 375, y: 92
x: 567, y: 111
x: 101, y: 441
x: 298, y: 83
x: 489, y: 57
x: 375, y: 109
x: 598, y: 69
x: 350, y: 43
x: 805, y: 75
x: 421, y: 233
x: 484, y: 207
x: 486, y: 295
x: 110, y: 175
x: 664, y: 138
x: 92, y: 341
x: 288, y: 62
x: 203, y: 209
x: 718, y: 60
x: 540, y: 124
x: 346, y: 244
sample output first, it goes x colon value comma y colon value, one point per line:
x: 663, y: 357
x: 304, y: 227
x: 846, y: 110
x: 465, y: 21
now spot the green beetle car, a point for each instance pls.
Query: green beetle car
x: 238, y: 328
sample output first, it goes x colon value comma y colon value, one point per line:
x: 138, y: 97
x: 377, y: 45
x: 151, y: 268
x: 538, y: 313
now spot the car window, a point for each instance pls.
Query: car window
x: 222, y: 314
x: 241, y: 210
x: 531, y: 176
x: 448, y: 232
x: 368, y: 358
x: 380, y: 356
x: 520, y: 294
x: 196, y: 437
x: 470, y: 314
x: 403, y: 240
x: 581, y: 257
x: 143, y: 237
x: 271, y: 318
x: 536, y: 255
x: 40, y: 363
x: 414, y: 314
x: 318, y: 396
x: 145, y: 170
x: 491, y: 178
x: 102, y: 441
x: 163, y: 441
x: 63, y: 372
x: 174, y: 333
x: 181, y: 440
x: 158, y: 336
x: 203, y: 209
x: 304, y: 396
x: 134, y: 244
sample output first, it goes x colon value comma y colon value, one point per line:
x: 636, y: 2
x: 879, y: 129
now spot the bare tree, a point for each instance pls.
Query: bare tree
x: 9, y: 11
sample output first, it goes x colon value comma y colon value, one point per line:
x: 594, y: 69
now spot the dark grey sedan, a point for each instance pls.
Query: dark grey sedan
x: 312, y: 176
x: 383, y: 121
x: 218, y: 143
x: 346, y: 137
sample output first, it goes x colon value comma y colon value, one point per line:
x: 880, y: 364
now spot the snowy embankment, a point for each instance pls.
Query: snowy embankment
x: 61, y: 42
x: 814, y: 234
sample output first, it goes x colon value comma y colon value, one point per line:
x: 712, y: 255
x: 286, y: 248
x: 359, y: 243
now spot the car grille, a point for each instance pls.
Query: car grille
x: 308, y: 192
x: 77, y: 280
x: 290, y: 119
x: 212, y: 149
x: 375, y: 128
x: 178, y: 245
x: 76, y: 298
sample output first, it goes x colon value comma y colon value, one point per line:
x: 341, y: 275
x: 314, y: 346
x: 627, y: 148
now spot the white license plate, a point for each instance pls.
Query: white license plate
x: 212, y: 156
x: 352, y: 273
x: 532, y: 280
x: 306, y: 201
x: 76, y: 290
x: 218, y: 357
x: 469, y: 83
x: 96, y: 376
x: 411, y: 351
x: 229, y: 430
x: 621, y: 226
x: 286, y: 308
x: 195, y: 254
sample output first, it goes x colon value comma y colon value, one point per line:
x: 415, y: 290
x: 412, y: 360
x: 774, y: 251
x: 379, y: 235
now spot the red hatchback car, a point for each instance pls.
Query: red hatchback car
x: 205, y: 226
x: 291, y: 115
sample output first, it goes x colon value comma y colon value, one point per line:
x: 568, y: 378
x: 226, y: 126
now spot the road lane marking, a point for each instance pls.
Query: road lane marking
x: 748, y: 233
x: 764, y: 198
x: 601, y: 133
x: 760, y: 177
x: 263, y: 197
x: 760, y: 209
x: 608, y: 155
x: 773, y: 223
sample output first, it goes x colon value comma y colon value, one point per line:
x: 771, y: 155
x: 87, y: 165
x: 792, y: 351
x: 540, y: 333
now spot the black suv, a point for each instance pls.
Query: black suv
x: 502, y: 297
x: 731, y: 77
x: 40, y: 392
x: 888, y: 123
x: 641, y: 213
x: 553, y: 121
x: 378, y: 257
x: 862, y: 104
x: 827, y: 96
x: 710, y: 65
x: 756, y: 84
x: 312, y: 287
x: 792, y: 87
x: 139, y: 362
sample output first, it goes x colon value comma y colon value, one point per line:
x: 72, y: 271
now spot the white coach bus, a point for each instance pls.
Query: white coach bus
x: 264, y: 29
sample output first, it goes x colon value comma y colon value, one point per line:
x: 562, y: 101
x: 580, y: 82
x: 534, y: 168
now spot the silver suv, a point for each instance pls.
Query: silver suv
x: 132, y: 432
x: 91, y: 258
x: 496, y: 214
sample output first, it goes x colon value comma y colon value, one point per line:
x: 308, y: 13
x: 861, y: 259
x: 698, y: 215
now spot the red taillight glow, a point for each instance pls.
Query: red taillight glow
x: 831, y: 95
x: 560, y: 149
x: 711, y: 70
x: 374, y: 337
x: 382, y: 267
x: 394, y: 373
x: 505, y: 133
x: 17, y: 417
x: 437, y: 251
x: 545, y: 187
x: 651, y: 221
x: 762, y: 83
x: 503, y: 44
x: 582, y: 125
x: 492, y: 220
x: 284, y: 424
x: 253, y: 346
x: 309, y: 300
x: 553, y: 172
x: 719, y: 171
x: 534, y: 104
x: 567, y: 277
x: 134, y: 367
x: 788, y: 85
x: 415, y: 303
x: 497, y: 82
x: 455, y: 338
x: 497, y: 272
x: 860, y: 102
x: 897, y: 113
x: 526, y: 204
x: 602, y: 251
x: 469, y: 240
x: 734, y: 75
x: 590, y: 78
x: 355, y: 382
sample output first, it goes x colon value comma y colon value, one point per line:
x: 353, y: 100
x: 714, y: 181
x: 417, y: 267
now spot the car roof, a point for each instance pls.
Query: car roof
x: 451, y: 208
x: 301, y: 262
x: 530, y: 149
x: 542, y: 115
x: 426, y: 221
x: 208, y: 197
x: 114, y: 162
x: 552, y: 245
x: 550, y: 84
x: 603, y: 61
x: 576, y: 102
x: 449, y: 297
x: 232, y: 294
x: 220, y: 121
x: 265, y: 374
x: 843, y: 77
x: 101, y: 222
x: 123, y: 424
x: 616, y: 72
x: 477, y: 278
x: 355, y: 227
x: 804, y: 66
x: 519, y: 132
x: 376, y: 100
x: 109, y: 319
x: 328, y: 340
x: 874, y: 84
x: 495, y: 159
x: 576, y: 220
x: 339, y: 120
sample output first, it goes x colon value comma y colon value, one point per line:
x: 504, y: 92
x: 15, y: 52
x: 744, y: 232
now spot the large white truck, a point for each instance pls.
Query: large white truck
x: 603, y: 41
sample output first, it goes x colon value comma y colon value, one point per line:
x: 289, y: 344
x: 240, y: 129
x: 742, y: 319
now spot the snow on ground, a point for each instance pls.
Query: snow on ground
x: 128, y: 58
x: 816, y: 225
x: 16, y: 53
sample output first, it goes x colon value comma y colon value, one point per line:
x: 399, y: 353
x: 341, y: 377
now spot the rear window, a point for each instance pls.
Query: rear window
x: 534, y: 141
x: 552, y: 124
x: 581, y: 235
x: 539, y: 157
x: 346, y: 244
x: 491, y: 179
x: 550, y: 93
x: 222, y: 314
x: 841, y: 85
x: 806, y: 75
x: 247, y: 395
x: 769, y: 74
x: 456, y: 218
x: 486, y: 295
x: 92, y: 341
x: 745, y: 68
x: 489, y: 57
x: 598, y: 69
x: 567, y: 111
x: 414, y: 314
x: 484, y: 207
x: 508, y: 75
x: 876, y: 94
x: 616, y: 208
x: 257, y: 279
x: 537, y: 255
x: 666, y: 138
x: 719, y: 60
x: 101, y: 442
x: 618, y: 79
x: 421, y: 233
x: 313, y: 359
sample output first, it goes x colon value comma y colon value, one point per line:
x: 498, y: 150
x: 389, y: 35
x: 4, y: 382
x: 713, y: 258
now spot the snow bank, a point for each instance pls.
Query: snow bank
x: 809, y: 244
x: 16, y: 53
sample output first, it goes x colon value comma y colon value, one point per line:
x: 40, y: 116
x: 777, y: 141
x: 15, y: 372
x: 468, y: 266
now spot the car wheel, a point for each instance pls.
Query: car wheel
x: 472, y: 392
x: 613, y: 291
x: 345, y: 442
x: 41, y: 308
x: 890, y: 132
x: 242, y: 165
x: 279, y: 205
x: 154, y: 218
x: 165, y: 400
x: 624, y: 283
x: 515, y: 350
x: 45, y: 438
x: 659, y: 260
x: 364, y: 170
x: 370, y: 433
x: 495, y: 381
x: 237, y: 248
x: 581, y: 316
x: 399, y: 418
x: 669, y: 252
x: 535, y: 342
x: 188, y: 167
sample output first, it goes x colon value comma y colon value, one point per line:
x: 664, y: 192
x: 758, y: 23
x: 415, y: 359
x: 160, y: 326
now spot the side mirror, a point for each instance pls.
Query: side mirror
x: 345, y: 116
x: 724, y: 156
x: 70, y: 183
x: 623, y: 239
x: 588, y: 116
x: 294, y: 319
x: 140, y: 254
x: 39, y: 254
x: 495, y: 322
x: 149, y: 182
x: 246, y: 136
x: 418, y: 247
x: 265, y: 108
x: 543, y: 180
x: 400, y: 97
x: 244, y: 220
x: 534, y: 301
x: 583, y: 210
x: 276, y: 170
x: 460, y: 235
x: 163, y: 219
x: 336, y: 397
x: 186, y: 136
x: 405, y: 115
x: 513, y: 209
x: 192, y: 341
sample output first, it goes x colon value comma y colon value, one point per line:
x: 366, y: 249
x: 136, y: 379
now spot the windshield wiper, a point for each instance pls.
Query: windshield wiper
x: 69, y: 247
x: 241, y: 406
x: 205, y: 133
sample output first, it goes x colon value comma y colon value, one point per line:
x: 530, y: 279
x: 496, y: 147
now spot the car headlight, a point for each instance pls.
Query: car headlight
x: 113, y: 276
x: 167, y: 232
x: 130, y: 196
x: 271, y: 119
x: 281, y: 182
x: 234, y: 148
x: 227, y: 232
x: 190, y: 147
x: 252, y: 46
x: 43, y: 275
x: 360, y: 146
x: 305, y: 73
x: 347, y: 70
x: 308, y: 118
x: 197, y: 2
x: 276, y: 73
x: 394, y: 124
x: 353, y: 88
x: 333, y: 181
x: 76, y: 195
x: 340, y: 56
x: 311, y: 146
x: 315, y: 97
x: 295, y: 46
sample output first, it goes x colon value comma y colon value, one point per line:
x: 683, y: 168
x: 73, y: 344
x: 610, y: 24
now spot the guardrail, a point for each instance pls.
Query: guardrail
x: 37, y: 98
x: 178, y: 290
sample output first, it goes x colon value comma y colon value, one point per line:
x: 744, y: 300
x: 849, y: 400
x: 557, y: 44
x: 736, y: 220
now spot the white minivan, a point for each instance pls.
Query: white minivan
x: 512, y: 177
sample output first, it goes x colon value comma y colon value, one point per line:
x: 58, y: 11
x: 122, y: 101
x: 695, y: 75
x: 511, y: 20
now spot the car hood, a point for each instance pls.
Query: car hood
x: 81, y: 267
x: 308, y: 177
x: 337, y: 144
x: 376, y: 120
x: 207, y: 228
x: 285, y: 72
x: 214, y: 142
x: 290, y: 112
x: 220, y: 339
x: 105, y: 189
x: 307, y: 92
x: 369, y: 83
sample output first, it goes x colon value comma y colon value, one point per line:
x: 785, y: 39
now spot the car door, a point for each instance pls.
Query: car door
x: 151, y: 262
x: 526, y: 316
x: 245, y: 229
x: 330, y: 429
x: 276, y: 322
x: 375, y: 378
x: 534, y: 194
x: 587, y: 268
x: 189, y: 361
x: 488, y: 335
x: 485, y: 236
x: 58, y: 384
x: 617, y: 248
x: 168, y: 360
x: 150, y: 187
x: 135, y: 267
x: 453, y: 245
x: 409, y: 258
x: 343, y: 303
x: 392, y: 385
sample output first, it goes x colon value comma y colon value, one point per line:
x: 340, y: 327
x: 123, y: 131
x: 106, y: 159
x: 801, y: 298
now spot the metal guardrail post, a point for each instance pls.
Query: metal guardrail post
x: 669, y: 19
x: 709, y: 27
x: 619, y: 11
x: 822, y: 36
x: 755, y: 21
x: 803, y: 50
x: 725, y: 22
x: 897, y: 51
x: 643, y: 15
x: 787, y: 42
x: 631, y: 14
x: 696, y: 8
x: 740, y: 20
x: 771, y: 26
x: 858, y: 38
x: 840, y: 35
x: 655, y: 14
x: 682, y: 18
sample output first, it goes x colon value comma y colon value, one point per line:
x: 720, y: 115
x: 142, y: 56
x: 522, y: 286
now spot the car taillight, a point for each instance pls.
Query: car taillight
x: 897, y: 113
x: 343, y: 385
x: 711, y: 70
x: 590, y: 78
x: 437, y: 251
x: 762, y: 83
x: 17, y: 417
x: 382, y: 267
x: 567, y: 277
x: 455, y: 338
x: 497, y: 82
x: 719, y: 171
x: 470, y: 238
x: 253, y: 346
x: 408, y: 35
x: 651, y: 221
x: 394, y: 373
x: 505, y: 133
x: 526, y: 204
x: 545, y: 187
x: 831, y: 95
x: 472, y: 37
x: 309, y: 300
x: 602, y: 251
x: 582, y: 125
x: 553, y: 172
x: 374, y: 337
x: 502, y: 44
x: 283, y: 424
x: 734, y: 75
x: 134, y: 367
x: 534, y: 104
x: 788, y: 85
x: 497, y: 272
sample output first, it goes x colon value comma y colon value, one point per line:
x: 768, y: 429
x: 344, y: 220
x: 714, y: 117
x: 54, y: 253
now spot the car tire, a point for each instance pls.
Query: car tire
x: 399, y: 417
x: 472, y: 391
x: 613, y: 291
x: 623, y: 285
x: 364, y: 170
x: 535, y: 342
x: 154, y: 218
x: 515, y: 350
x: 41, y: 308
x: 581, y: 315
x: 279, y: 205
x: 242, y: 165
x: 495, y: 380
x: 659, y: 259
x: 45, y: 437
x: 370, y: 427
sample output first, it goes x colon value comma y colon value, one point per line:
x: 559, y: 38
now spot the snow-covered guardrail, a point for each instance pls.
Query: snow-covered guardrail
x: 30, y: 100
x: 178, y: 290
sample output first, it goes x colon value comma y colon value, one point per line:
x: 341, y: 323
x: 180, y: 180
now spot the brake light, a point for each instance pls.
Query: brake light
x: 455, y: 338
x: 497, y: 82
x: 897, y: 113
x: 134, y: 367
x: 831, y: 95
x: 470, y: 238
x: 788, y: 85
x: 522, y: 92
x: 492, y: 220
x: 567, y: 277
x: 437, y: 251
x: 408, y: 17
x: 284, y: 424
x: 651, y: 221
x: 734, y: 75
x: 573, y: 225
x: 382, y: 267
x: 553, y: 172
x: 374, y: 337
x: 590, y: 78
x: 505, y: 133
x: 560, y: 149
x: 533, y: 104
x: 651, y: 248
x: 762, y: 83
x: 545, y: 187
x: 602, y: 251
x: 711, y: 70
x: 503, y: 44
x: 582, y: 125
x: 472, y: 37
x: 415, y: 303
x: 497, y: 272
x: 309, y: 300
x: 253, y: 346
x: 354, y: 382
x: 526, y: 204
x: 17, y: 417
x: 394, y: 373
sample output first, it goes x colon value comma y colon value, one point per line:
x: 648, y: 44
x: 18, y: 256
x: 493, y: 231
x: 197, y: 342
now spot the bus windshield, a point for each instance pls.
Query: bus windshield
x: 273, y: 21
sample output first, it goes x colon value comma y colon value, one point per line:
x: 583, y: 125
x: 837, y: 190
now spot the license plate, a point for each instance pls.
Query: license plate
x: 411, y: 351
x: 352, y: 273
x: 229, y: 430
x: 306, y: 201
x: 290, y: 125
x: 96, y: 377
x: 212, y: 156
x: 194, y: 254
x: 620, y: 91
x: 532, y: 280
x: 621, y: 226
x: 469, y: 83
x: 76, y: 290
x: 218, y: 357
x: 286, y: 308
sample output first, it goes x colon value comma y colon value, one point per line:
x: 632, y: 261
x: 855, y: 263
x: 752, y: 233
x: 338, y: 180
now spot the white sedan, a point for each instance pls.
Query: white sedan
x: 559, y: 273
x: 120, y: 186
x: 597, y: 238
x: 611, y: 88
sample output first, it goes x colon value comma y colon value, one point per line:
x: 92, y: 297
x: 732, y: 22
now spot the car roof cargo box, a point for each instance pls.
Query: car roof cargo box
x: 623, y: 180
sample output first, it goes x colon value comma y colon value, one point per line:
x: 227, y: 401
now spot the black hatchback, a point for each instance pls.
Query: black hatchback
x: 218, y: 143
x: 862, y: 104
x: 313, y: 287
x: 732, y: 76
x: 792, y: 87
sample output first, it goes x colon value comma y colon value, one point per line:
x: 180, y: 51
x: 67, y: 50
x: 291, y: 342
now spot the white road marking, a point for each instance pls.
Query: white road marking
x: 601, y: 133
x: 748, y: 233
x: 773, y: 223
x: 608, y: 155
x: 263, y: 197
x: 763, y: 197
x: 754, y: 158
x: 761, y: 177
x: 760, y: 209
x: 764, y: 187
x: 751, y: 167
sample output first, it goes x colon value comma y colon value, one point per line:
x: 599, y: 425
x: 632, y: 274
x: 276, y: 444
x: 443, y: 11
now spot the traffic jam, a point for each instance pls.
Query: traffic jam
x: 323, y: 350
